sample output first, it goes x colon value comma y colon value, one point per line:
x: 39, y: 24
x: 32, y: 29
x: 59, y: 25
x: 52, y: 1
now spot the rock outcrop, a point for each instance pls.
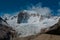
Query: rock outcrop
x: 6, y: 32
x: 3, y: 21
x: 55, y: 29
x: 22, y: 17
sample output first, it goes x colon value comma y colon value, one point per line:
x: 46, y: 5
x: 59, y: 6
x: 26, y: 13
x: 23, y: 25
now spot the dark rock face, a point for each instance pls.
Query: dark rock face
x: 55, y: 29
x: 6, y: 33
x: 13, y: 17
x: 22, y: 17
x: 2, y: 21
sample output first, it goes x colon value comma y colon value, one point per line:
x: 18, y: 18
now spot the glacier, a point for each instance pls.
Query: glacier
x: 34, y: 24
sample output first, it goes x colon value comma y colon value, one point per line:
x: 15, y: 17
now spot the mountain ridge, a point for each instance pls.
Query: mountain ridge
x: 30, y: 23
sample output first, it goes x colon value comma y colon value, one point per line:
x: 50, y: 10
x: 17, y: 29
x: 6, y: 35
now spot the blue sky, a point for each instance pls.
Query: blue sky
x: 11, y: 6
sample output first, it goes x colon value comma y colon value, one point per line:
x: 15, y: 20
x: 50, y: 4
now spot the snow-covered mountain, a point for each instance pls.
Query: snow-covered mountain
x: 31, y: 22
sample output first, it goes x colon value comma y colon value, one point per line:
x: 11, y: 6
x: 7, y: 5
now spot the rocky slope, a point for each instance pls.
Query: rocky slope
x: 40, y: 37
x: 6, y: 32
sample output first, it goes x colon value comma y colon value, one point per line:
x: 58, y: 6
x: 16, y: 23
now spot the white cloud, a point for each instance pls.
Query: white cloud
x: 39, y: 9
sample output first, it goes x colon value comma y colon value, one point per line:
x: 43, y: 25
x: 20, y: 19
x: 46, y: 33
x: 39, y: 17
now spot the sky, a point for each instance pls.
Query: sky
x: 11, y: 6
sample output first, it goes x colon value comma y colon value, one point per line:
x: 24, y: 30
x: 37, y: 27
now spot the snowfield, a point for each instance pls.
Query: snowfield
x: 34, y: 25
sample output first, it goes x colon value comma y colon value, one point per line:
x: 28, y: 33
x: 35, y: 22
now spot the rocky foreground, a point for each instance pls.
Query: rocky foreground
x: 41, y: 37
